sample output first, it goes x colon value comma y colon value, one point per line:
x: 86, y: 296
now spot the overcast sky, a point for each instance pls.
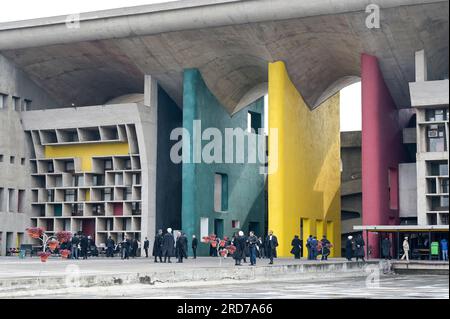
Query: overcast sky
x: 13, y: 10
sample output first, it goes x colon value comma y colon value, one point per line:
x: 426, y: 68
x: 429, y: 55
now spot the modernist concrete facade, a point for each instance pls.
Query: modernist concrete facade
x: 430, y: 98
x: 15, y: 89
x: 237, y: 48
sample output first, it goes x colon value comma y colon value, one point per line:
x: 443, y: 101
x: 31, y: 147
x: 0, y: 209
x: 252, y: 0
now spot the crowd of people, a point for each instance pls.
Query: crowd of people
x: 171, y: 244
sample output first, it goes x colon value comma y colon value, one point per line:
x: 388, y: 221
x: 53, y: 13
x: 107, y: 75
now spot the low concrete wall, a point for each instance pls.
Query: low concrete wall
x: 427, y: 268
x: 192, y: 276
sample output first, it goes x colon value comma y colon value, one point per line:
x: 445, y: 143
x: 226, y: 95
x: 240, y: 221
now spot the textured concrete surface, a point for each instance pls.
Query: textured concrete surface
x: 231, y: 42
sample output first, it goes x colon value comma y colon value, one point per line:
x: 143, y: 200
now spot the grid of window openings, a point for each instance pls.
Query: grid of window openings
x: 434, y: 126
x: 106, y: 198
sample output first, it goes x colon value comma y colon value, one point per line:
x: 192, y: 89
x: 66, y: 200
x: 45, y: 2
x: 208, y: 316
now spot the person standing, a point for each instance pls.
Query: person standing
x: 84, y: 244
x: 168, y: 245
x: 386, y: 248
x: 271, y: 246
x: 260, y: 248
x: 194, y: 246
x: 309, y: 247
x: 125, y: 248
x: 75, y: 242
x: 296, y: 247
x: 239, y: 243
x: 349, y: 248
x: 146, y: 246
x: 134, y: 247
x: 314, y: 248
x: 359, y: 250
x: 157, y: 246
x: 444, y: 249
x: 252, y: 242
x: 181, y: 247
x: 110, y: 245
x: 405, y: 249
x: 326, y: 247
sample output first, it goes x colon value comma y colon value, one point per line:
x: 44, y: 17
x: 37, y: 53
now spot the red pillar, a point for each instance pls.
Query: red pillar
x: 382, y: 151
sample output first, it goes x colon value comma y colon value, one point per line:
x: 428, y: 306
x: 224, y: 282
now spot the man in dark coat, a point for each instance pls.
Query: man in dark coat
x: 134, y: 247
x: 239, y: 243
x: 181, y: 247
x: 252, y: 242
x: 296, y: 247
x: 146, y: 246
x: 84, y: 245
x: 194, y: 246
x: 168, y: 245
x: 271, y: 246
x: 75, y: 242
x: 157, y: 246
x: 359, y: 251
x: 349, y: 248
x: 386, y: 248
x: 308, y: 246
x: 110, y: 245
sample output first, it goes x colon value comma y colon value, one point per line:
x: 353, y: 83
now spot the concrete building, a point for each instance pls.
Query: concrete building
x: 237, y: 48
x: 430, y: 98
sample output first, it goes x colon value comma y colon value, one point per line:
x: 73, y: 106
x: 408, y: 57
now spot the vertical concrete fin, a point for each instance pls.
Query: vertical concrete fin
x: 150, y: 91
x: 421, y: 66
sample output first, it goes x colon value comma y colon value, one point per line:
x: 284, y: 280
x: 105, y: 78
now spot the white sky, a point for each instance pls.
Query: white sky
x: 29, y: 9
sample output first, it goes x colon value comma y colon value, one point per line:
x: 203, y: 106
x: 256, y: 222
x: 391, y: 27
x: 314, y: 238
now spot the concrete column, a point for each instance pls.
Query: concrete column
x: 421, y: 66
x: 150, y: 91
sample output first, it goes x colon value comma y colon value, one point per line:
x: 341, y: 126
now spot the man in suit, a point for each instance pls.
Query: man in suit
x: 146, y: 246
x: 194, y: 246
x: 271, y: 246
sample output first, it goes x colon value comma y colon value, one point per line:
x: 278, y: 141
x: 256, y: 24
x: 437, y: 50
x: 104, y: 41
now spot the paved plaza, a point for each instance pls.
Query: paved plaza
x: 391, y: 287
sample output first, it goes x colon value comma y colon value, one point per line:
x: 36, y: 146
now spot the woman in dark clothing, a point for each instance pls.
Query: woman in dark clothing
x: 359, y: 251
x: 349, y: 248
x: 240, y: 243
x: 296, y: 247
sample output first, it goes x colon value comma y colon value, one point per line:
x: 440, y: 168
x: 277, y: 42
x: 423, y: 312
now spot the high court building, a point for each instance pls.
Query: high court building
x: 89, y: 104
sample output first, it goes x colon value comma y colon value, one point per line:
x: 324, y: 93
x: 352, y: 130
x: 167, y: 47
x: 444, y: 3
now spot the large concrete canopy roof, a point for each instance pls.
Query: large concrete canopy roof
x: 231, y: 43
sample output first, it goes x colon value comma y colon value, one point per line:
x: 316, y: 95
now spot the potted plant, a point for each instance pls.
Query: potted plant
x: 64, y: 236
x: 224, y: 253
x: 35, y: 232
x: 44, y: 256
x: 65, y: 253
x: 231, y: 249
x: 52, y: 244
